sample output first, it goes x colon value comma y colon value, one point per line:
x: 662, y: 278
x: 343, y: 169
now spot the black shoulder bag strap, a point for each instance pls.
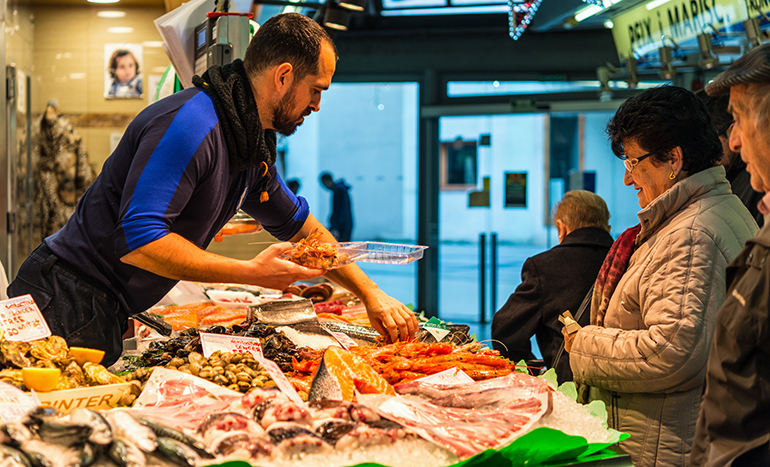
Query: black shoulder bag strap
x: 586, y: 304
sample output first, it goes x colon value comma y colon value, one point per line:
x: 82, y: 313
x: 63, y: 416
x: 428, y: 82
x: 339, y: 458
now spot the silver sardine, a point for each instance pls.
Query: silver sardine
x: 178, y: 452
x: 126, y: 426
x: 162, y: 430
x: 126, y: 454
x: 101, y: 432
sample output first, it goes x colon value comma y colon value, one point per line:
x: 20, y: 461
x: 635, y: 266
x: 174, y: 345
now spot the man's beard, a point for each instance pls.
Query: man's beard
x: 283, y: 121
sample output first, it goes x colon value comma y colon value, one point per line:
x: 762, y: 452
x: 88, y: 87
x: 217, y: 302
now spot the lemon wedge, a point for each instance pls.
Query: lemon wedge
x: 83, y: 355
x: 41, y: 379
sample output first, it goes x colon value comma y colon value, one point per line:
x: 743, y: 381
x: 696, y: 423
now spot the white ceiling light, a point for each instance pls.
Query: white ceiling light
x: 655, y: 4
x: 157, y: 44
x: 111, y: 14
x: 587, y: 12
x: 103, y: 1
x: 120, y: 30
x: 594, y: 9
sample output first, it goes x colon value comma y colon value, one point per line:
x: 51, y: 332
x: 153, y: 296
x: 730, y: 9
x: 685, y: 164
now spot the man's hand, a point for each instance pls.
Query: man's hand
x: 568, y: 339
x: 276, y: 273
x: 177, y: 258
x: 389, y: 316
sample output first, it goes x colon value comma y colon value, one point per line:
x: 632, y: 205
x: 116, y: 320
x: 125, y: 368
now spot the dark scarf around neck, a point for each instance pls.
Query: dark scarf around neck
x: 247, y: 143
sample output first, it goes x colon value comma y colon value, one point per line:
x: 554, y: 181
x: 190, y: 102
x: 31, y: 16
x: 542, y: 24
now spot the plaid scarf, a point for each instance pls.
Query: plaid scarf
x: 613, y: 268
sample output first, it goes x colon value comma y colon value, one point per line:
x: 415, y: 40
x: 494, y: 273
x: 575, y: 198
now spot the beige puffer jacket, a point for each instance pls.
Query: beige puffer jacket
x: 648, y: 362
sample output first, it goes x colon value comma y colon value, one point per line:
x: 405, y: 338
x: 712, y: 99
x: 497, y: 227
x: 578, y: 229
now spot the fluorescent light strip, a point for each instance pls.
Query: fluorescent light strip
x: 587, y: 12
x: 120, y: 30
x: 446, y: 11
x: 655, y: 4
x: 111, y: 14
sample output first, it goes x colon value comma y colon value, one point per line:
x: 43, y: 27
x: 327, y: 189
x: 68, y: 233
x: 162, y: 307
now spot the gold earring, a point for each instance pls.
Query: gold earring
x: 672, y: 175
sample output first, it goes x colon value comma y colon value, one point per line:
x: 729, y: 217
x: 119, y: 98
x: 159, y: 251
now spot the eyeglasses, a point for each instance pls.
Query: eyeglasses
x: 724, y: 130
x: 634, y: 161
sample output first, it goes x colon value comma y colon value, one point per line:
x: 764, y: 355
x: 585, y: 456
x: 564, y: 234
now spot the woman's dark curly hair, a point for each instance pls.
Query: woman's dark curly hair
x: 662, y: 118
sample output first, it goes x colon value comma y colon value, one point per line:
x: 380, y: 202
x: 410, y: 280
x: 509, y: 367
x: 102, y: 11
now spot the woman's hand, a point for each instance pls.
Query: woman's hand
x: 568, y: 339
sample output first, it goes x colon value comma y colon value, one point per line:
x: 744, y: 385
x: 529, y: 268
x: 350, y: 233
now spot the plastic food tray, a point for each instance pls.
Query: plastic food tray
x: 377, y: 252
x: 369, y: 252
x: 240, y: 224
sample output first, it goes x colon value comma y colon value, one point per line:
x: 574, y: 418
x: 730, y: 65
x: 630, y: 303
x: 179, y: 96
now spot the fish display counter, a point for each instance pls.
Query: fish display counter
x: 277, y: 385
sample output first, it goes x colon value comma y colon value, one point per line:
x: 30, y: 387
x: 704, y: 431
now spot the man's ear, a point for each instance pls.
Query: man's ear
x: 561, y: 229
x: 284, y: 77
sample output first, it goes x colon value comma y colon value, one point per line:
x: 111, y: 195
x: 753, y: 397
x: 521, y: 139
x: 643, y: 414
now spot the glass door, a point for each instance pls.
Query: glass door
x: 365, y: 136
x: 492, y: 205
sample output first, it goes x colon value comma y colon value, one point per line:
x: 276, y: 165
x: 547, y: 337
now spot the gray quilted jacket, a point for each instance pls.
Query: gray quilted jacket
x: 648, y: 362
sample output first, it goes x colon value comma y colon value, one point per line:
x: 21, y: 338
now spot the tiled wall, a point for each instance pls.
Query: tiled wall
x: 68, y: 65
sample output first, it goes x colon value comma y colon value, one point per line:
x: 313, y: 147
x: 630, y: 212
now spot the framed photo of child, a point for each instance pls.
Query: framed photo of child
x: 123, y: 71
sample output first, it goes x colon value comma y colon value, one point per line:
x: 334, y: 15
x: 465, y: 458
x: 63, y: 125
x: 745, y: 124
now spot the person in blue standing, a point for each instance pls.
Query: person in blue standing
x: 341, y: 219
x: 185, y: 165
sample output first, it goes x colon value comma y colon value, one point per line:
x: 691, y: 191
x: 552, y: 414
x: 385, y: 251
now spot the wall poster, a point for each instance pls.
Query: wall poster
x: 458, y: 164
x: 515, y: 189
x: 123, y: 71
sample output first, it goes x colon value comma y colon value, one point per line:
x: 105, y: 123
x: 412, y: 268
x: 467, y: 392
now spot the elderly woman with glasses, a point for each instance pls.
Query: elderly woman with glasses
x: 655, y: 300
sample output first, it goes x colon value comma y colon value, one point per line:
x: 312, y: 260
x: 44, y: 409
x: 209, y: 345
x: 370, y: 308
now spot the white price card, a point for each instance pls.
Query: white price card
x: 21, y: 320
x: 14, y: 403
x: 235, y: 344
x: 345, y: 341
x: 451, y: 376
x: 280, y: 379
x: 437, y: 328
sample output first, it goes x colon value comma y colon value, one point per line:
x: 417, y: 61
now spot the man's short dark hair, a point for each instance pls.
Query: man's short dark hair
x: 662, y: 118
x: 326, y: 176
x: 287, y: 38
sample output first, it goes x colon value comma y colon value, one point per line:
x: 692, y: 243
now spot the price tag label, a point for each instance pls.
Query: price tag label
x: 235, y: 344
x: 280, y: 379
x: 21, y: 320
x: 345, y: 341
x: 451, y: 376
x: 436, y: 328
x: 14, y: 403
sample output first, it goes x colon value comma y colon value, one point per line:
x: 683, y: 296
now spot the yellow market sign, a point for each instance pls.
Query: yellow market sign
x: 642, y: 31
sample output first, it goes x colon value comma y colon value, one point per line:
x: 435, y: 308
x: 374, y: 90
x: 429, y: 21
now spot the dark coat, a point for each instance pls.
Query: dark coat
x: 733, y: 427
x: 552, y: 282
x: 740, y: 184
x: 341, y: 219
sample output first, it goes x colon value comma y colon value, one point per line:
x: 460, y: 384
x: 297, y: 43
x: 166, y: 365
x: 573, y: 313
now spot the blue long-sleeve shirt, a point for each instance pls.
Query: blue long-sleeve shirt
x: 169, y: 173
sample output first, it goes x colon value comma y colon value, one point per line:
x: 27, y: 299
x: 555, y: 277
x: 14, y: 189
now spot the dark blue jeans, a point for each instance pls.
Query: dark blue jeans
x: 74, y: 308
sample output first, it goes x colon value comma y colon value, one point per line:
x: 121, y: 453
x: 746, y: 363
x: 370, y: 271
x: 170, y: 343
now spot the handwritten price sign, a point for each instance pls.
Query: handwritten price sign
x: 235, y: 344
x: 21, y: 320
